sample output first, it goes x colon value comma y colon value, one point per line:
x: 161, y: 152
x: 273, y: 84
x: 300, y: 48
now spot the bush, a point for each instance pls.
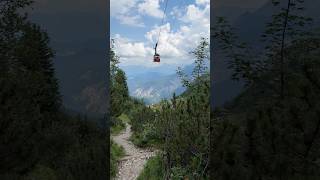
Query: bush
x: 148, y: 136
x: 153, y: 170
x: 117, y: 125
x: 116, y: 152
x: 42, y: 172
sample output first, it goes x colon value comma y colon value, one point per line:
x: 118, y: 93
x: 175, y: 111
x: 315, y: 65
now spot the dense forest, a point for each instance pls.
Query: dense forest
x: 271, y: 130
x: 39, y: 138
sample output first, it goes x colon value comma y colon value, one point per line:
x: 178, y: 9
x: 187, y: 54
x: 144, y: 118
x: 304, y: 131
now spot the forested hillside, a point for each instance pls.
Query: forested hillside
x: 271, y: 130
x: 38, y: 139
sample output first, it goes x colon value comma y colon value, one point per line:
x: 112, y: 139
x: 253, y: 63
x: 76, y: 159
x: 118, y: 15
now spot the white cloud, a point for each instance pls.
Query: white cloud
x: 174, y: 46
x: 169, y: 41
x: 197, y: 15
x: 176, y: 12
x: 141, y: 53
x: 202, y: 2
x: 151, y: 8
x: 123, y: 11
x: 121, y: 6
x: 129, y: 12
x: 127, y: 48
x: 196, y: 24
x: 131, y: 20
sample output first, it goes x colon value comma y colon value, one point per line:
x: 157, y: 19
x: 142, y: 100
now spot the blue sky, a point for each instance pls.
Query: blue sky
x: 137, y: 33
x: 135, y: 25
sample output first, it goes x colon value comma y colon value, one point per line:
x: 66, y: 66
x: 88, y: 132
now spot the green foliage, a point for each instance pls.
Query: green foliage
x: 119, y: 92
x: 37, y: 139
x: 29, y: 93
x: 179, y: 127
x: 42, y: 172
x: 178, y: 173
x: 184, y: 127
x: 116, y: 152
x: 117, y: 125
x: 86, y: 157
x: 119, y: 105
x: 124, y: 118
x: 146, y: 137
x: 153, y: 170
x: 271, y: 131
x: 142, y: 121
x: 202, y: 56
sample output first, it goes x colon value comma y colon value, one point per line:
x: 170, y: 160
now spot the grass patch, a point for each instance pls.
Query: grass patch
x: 116, y: 152
x: 124, y: 118
x: 153, y: 170
x: 119, y: 124
x: 117, y: 129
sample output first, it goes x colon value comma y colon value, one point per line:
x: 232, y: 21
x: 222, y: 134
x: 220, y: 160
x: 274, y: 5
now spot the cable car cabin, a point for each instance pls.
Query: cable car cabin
x: 156, y: 58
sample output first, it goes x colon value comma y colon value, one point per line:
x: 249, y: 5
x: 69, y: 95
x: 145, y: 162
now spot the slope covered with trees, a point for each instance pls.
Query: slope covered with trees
x: 270, y: 131
x: 38, y: 139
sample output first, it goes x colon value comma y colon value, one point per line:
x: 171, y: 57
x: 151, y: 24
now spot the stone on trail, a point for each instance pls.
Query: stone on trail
x: 131, y: 166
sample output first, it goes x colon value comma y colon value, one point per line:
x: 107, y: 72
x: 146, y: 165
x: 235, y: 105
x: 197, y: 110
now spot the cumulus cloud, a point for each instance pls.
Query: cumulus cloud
x: 169, y: 41
x: 197, y: 15
x: 122, y: 10
x: 151, y: 8
x: 202, y: 2
x: 130, y: 12
x: 141, y: 53
x: 121, y: 6
x: 195, y: 23
x: 176, y: 12
x: 174, y: 45
x: 128, y: 48
x: 131, y: 20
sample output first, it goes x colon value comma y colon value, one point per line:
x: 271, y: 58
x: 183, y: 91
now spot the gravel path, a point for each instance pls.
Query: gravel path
x: 133, y: 163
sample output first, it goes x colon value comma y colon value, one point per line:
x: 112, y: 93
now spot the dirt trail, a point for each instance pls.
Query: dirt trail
x: 133, y: 163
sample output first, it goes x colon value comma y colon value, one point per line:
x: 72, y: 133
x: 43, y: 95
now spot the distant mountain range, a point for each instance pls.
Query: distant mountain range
x: 156, y: 88
x: 155, y: 84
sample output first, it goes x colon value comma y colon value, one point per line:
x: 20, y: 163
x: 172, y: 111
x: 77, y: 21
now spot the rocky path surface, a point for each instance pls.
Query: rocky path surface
x: 133, y: 163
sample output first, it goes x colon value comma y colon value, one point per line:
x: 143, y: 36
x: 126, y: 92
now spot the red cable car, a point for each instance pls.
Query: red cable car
x: 156, y: 56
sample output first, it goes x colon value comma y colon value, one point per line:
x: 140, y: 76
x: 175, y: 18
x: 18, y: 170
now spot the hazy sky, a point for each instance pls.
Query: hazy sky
x: 135, y: 25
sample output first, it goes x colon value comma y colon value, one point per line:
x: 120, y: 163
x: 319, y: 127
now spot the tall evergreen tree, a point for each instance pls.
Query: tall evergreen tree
x: 119, y: 89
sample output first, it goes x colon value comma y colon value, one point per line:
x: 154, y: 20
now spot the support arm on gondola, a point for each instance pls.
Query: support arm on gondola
x: 155, y: 49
